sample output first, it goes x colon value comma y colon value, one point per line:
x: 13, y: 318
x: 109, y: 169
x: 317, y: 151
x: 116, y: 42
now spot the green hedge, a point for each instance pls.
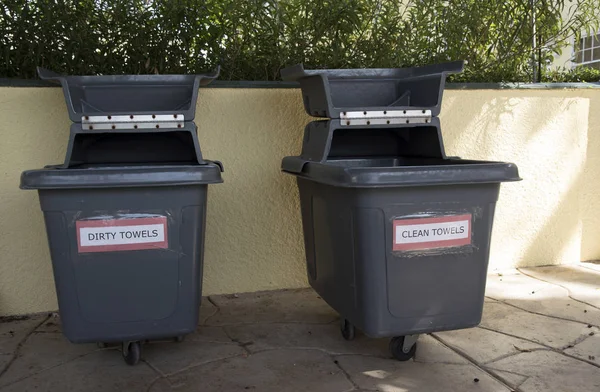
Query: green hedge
x: 254, y: 39
x: 577, y: 75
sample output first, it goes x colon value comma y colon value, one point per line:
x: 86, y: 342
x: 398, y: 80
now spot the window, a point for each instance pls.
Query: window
x: 587, y: 52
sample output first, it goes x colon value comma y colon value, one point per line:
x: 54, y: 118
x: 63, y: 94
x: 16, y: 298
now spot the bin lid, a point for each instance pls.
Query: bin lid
x: 155, y: 97
x: 358, y: 94
x: 121, y: 176
x: 399, y: 172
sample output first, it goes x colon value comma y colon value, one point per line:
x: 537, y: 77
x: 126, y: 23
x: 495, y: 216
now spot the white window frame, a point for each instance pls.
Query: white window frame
x: 583, y: 37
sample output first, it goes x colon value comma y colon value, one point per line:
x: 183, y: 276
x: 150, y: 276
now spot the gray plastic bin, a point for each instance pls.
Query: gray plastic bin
x: 397, y: 235
x: 125, y: 213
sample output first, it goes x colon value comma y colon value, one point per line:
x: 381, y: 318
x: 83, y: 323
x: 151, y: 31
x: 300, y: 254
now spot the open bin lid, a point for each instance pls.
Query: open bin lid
x: 355, y: 94
x: 130, y: 95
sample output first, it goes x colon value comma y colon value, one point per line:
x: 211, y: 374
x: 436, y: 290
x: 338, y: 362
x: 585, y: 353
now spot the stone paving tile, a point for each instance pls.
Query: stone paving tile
x: 169, y: 357
x: 429, y: 350
x: 391, y: 376
x: 4, y: 360
x: 160, y: 385
x: 325, y: 337
x: 484, y: 346
x: 208, y: 334
x: 100, y: 371
x: 13, y: 330
x: 52, y: 325
x: 302, y: 306
x: 589, y: 349
x: 594, y: 265
x: 514, y: 285
x: 541, y: 329
x: 510, y: 378
x: 540, y: 297
x: 207, y: 310
x: 43, y: 351
x: 271, y: 371
x: 551, y: 371
x: 583, y: 283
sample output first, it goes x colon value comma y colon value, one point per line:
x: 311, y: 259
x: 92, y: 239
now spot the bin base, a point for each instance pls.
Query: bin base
x: 112, y: 294
x: 352, y: 264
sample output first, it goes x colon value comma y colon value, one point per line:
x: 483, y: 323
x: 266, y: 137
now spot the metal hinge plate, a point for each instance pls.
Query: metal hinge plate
x: 385, y: 117
x: 139, y: 121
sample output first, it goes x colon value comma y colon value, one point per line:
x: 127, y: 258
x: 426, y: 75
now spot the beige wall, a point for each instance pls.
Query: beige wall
x: 549, y: 217
x: 254, y: 238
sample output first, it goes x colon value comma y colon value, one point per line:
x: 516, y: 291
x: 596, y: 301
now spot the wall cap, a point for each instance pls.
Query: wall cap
x: 9, y: 82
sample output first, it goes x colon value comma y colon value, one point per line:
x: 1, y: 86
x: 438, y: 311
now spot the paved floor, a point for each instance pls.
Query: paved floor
x: 540, y: 332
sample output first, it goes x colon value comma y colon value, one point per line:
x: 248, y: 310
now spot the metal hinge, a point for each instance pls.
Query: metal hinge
x: 137, y: 121
x: 385, y: 117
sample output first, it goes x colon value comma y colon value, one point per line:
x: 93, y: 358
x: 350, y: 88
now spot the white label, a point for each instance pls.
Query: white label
x: 120, y: 235
x: 109, y: 235
x: 428, y: 233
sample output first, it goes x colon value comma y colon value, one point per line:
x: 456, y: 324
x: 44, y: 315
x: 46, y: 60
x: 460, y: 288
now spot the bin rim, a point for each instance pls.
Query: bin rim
x: 296, y: 72
x: 466, y: 172
x: 125, y: 176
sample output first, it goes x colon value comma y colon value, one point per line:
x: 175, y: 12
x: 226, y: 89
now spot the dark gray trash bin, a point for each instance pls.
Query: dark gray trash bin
x: 397, y: 235
x: 125, y: 213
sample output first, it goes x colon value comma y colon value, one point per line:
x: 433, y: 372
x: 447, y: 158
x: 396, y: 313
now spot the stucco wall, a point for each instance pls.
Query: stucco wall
x: 254, y: 238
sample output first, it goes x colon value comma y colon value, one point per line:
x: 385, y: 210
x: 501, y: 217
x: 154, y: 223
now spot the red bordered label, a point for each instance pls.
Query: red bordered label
x: 122, y: 234
x: 432, y: 233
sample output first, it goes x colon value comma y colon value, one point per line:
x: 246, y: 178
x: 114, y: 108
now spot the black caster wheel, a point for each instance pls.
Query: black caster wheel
x: 403, y: 352
x: 179, y: 338
x: 132, y: 352
x: 348, y: 330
